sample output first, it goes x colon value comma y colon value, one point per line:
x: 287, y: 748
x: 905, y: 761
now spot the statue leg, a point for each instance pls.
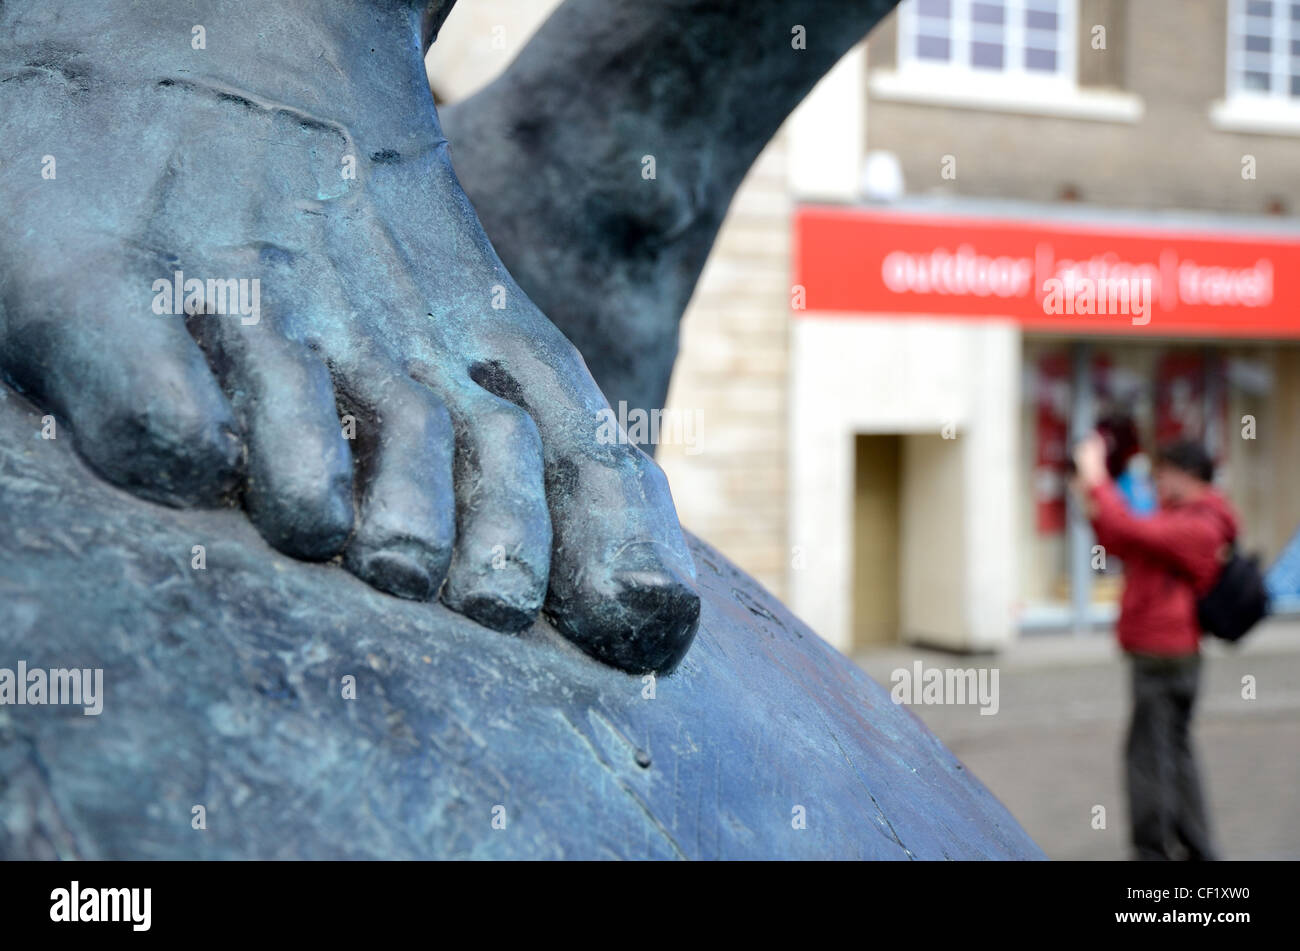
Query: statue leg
x: 556, y: 153
x: 216, y: 283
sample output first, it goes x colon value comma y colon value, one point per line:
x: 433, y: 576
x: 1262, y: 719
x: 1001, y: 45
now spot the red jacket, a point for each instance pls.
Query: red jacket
x: 1170, y: 560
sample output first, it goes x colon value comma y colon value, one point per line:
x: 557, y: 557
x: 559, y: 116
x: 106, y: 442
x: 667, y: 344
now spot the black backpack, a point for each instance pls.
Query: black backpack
x: 1238, y: 600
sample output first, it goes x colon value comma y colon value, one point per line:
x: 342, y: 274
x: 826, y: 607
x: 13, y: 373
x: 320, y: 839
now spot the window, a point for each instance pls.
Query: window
x: 1017, y: 56
x: 1010, y: 38
x: 1264, y: 49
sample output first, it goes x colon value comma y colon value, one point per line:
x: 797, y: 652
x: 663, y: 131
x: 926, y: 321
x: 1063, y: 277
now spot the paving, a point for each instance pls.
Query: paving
x: 1053, y: 750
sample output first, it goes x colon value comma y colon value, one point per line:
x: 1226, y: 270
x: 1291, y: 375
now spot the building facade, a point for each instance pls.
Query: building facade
x: 1133, y: 145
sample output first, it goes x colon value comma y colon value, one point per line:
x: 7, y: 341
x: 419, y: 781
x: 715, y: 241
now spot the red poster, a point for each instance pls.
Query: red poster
x: 1180, y: 397
x: 1052, y: 425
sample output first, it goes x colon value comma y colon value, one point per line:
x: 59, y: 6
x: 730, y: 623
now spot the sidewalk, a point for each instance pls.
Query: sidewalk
x: 1053, y: 751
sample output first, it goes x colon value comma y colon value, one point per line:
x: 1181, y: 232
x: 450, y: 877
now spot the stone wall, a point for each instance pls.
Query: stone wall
x: 732, y: 374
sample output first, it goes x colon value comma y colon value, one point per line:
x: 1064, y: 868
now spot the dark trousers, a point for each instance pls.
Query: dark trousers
x: 1166, y: 808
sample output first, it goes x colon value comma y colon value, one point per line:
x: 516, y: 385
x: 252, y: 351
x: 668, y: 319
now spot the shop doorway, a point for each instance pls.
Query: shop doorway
x: 877, y: 502
x: 908, y: 540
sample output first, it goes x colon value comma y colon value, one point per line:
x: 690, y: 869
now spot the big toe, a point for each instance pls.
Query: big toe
x: 639, y: 612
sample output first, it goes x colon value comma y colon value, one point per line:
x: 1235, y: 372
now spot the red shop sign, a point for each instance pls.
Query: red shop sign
x: 1060, y: 276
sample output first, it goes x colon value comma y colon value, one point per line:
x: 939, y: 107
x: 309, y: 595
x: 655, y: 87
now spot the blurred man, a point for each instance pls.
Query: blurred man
x: 1171, y: 559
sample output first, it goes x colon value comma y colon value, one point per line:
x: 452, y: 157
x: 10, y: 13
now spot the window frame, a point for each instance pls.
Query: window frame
x: 1013, y: 71
x: 1279, y: 71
